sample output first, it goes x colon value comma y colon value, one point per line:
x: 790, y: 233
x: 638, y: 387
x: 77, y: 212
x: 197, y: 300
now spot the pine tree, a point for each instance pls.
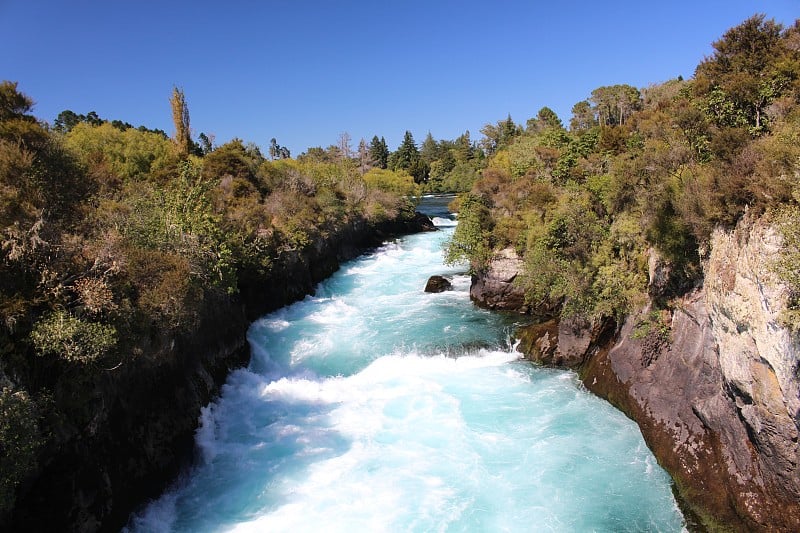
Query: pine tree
x: 429, y: 151
x: 379, y: 152
x: 407, y: 154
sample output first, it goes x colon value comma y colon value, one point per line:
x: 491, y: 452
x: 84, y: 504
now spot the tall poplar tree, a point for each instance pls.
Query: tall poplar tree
x: 180, y: 118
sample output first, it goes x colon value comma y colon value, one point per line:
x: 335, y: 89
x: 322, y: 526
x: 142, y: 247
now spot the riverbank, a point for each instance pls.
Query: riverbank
x: 145, y: 412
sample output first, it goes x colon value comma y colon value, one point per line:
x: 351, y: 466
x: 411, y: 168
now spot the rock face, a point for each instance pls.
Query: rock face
x: 146, y: 411
x: 713, y: 385
x: 564, y: 342
x: 438, y: 284
x: 495, y: 288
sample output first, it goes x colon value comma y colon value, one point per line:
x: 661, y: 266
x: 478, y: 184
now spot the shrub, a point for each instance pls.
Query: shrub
x: 471, y: 238
x: 787, y: 264
x: 62, y: 335
x: 20, y: 440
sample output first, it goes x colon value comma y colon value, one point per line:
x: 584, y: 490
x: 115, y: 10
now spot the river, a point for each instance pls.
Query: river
x: 374, y: 406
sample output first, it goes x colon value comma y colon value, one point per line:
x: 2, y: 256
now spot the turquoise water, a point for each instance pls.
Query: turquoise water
x: 374, y: 406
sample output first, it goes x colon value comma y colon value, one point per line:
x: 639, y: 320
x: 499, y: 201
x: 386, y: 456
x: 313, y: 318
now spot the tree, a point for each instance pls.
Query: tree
x: 750, y: 68
x: 273, y: 149
x: 20, y: 439
x: 128, y: 154
x: 500, y: 135
x: 407, y: 158
x: 379, y: 152
x: 365, y: 161
x: 545, y: 118
x: 613, y: 104
x: 407, y: 153
x: 343, y: 144
x: 471, y: 239
x: 206, y: 143
x: 13, y: 104
x: 462, y: 147
x: 582, y: 117
x: 120, y: 125
x: 276, y: 151
x: 66, y: 120
x: 93, y: 119
x: 429, y: 151
x: 180, y: 119
x: 231, y: 159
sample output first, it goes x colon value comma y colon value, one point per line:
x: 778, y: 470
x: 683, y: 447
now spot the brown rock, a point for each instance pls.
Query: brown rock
x: 438, y: 284
x: 564, y: 342
x: 495, y: 288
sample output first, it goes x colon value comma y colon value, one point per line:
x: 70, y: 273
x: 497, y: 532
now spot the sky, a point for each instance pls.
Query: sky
x: 303, y: 72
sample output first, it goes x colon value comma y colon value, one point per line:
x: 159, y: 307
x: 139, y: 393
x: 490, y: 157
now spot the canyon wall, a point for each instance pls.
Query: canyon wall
x: 712, y: 381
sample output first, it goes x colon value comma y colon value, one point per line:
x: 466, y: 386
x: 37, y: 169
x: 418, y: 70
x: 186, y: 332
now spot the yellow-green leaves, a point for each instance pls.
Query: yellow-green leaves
x: 129, y: 154
x: 75, y: 340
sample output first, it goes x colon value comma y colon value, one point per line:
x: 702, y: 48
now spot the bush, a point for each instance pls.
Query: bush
x: 64, y: 336
x: 787, y: 265
x: 131, y: 154
x: 19, y: 442
x: 471, y: 238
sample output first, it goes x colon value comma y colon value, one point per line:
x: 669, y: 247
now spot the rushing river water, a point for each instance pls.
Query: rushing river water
x: 374, y: 406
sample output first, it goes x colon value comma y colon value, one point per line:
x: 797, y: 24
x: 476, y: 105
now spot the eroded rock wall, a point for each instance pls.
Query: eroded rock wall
x: 714, y: 391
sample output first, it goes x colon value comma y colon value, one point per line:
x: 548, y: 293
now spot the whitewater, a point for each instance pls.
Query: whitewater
x: 374, y: 406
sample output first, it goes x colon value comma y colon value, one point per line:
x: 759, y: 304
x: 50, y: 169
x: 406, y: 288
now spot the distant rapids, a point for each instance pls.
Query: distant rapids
x: 374, y: 406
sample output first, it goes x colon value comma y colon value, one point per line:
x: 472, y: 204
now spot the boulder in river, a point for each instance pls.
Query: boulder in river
x: 438, y: 284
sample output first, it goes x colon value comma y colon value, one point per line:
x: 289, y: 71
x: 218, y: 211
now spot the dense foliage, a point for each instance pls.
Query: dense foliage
x: 643, y: 172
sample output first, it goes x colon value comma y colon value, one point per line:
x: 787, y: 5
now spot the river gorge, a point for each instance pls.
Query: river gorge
x: 374, y: 406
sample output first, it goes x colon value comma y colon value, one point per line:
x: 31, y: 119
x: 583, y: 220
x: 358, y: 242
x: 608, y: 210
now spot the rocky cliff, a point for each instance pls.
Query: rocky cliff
x: 712, y: 382
x: 143, y: 414
x: 495, y: 289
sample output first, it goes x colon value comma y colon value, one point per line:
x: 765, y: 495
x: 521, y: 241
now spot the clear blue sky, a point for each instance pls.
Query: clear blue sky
x: 305, y: 71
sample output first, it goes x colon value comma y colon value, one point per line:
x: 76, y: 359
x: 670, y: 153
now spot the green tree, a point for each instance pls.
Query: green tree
x: 14, y: 104
x: 206, y: 144
x: 500, y: 135
x: 430, y: 150
x: 231, y: 159
x: 407, y: 157
x: 615, y: 103
x: 398, y: 182
x: 750, y: 68
x: 463, y: 150
x: 379, y: 152
x: 66, y: 120
x: 129, y: 154
x: 471, y: 240
x: 545, y: 118
x: 72, y: 339
x: 406, y: 154
x: 582, y: 117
